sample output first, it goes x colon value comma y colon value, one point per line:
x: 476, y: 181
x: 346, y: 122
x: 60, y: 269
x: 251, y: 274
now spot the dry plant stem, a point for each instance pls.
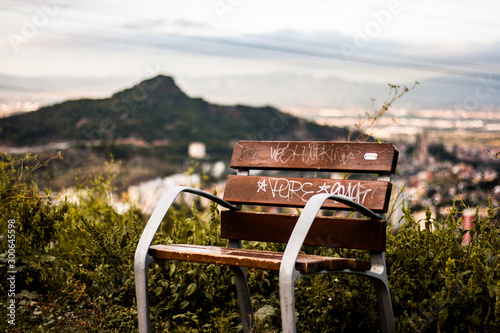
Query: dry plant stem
x: 372, y: 117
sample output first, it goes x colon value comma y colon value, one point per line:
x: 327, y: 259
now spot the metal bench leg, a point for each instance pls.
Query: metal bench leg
x: 287, y: 301
x: 244, y: 300
x: 141, y: 289
x: 379, y: 280
x: 387, y: 324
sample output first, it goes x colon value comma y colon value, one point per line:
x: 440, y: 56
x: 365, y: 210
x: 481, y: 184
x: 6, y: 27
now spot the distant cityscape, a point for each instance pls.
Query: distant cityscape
x: 401, y: 121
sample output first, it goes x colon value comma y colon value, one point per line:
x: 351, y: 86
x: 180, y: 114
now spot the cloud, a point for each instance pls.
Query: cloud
x: 185, y: 23
x: 327, y: 50
x: 145, y: 24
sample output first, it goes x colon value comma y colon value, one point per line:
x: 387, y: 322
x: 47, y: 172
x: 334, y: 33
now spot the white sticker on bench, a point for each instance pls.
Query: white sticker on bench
x: 371, y: 156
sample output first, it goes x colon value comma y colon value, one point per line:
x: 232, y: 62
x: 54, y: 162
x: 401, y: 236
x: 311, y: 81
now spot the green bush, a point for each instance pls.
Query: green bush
x: 74, y: 261
x: 437, y: 283
x: 75, y: 271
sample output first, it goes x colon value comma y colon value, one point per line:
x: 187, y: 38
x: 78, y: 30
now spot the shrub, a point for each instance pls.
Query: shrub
x: 73, y: 260
x: 437, y: 283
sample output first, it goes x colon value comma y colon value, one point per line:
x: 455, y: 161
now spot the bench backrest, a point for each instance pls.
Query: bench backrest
x: 323, y: 159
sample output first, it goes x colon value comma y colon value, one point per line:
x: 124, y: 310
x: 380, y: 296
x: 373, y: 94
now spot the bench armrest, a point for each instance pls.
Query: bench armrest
x: 304, y: 223
x: 142, y: 259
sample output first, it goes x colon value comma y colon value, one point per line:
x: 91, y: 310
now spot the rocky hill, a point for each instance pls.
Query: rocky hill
x: 148, y: 128
x: 155, y: 112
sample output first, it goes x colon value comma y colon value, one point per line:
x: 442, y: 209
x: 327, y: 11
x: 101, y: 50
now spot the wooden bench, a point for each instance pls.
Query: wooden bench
x: 320, y: 159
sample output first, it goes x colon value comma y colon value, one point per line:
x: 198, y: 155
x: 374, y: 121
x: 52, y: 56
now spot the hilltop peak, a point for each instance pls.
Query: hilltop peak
x: 158, y: 87
x: 162, y: 82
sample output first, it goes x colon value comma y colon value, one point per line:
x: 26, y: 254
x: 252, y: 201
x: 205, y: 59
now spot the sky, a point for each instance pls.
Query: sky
x: 287, y: 53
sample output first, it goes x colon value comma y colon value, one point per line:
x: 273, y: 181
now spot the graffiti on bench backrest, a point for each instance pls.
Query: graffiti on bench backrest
x: 293, y: 189
x: 313, y: 152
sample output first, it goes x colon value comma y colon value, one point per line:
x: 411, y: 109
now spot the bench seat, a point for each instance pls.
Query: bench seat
x: 306, y: 264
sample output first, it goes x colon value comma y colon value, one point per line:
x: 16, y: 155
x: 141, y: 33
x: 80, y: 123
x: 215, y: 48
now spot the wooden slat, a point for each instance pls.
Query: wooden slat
x: 295, y: 192
x: 353, y: 233
x: 233, y: 257
x: 354, y: 264
x: 251, y: 258
x: 328, y: 156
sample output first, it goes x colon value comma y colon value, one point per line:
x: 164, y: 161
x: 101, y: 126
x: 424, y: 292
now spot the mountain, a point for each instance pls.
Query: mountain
x: 303, y: 95
x: 156, y: 111
x: 148, y: 128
